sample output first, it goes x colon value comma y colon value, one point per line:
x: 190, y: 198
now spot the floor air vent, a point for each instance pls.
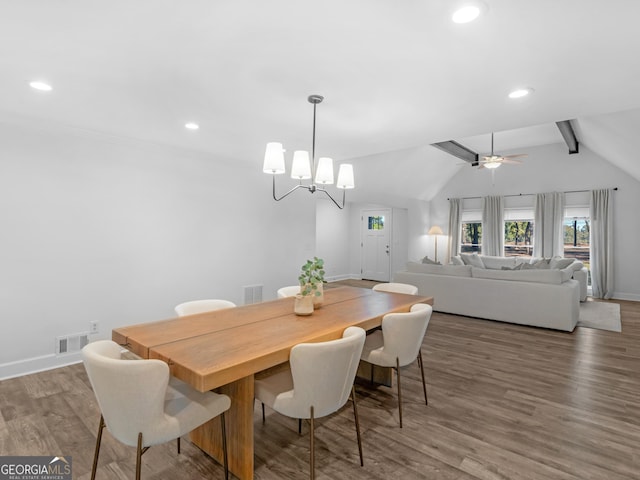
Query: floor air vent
x: 71, y: 343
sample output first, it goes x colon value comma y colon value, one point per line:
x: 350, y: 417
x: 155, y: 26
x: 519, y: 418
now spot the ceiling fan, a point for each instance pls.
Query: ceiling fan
x: 494, y: 161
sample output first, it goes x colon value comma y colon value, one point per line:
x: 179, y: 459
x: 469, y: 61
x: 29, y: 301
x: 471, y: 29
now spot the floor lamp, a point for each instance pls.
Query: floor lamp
x: 435, y: 230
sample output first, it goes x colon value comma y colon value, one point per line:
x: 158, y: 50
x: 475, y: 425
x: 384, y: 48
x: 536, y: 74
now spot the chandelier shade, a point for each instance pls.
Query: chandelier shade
x: 324, y: 173
x: 345, y: 177
x: 304, y: 166
x: 274, y: 159
x: 301, y: 168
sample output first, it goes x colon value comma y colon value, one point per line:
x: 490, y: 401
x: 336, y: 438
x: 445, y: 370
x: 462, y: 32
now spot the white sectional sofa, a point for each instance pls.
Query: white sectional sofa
x: 548, y: 298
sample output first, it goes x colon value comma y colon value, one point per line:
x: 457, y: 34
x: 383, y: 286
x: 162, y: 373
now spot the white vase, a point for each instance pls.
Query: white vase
x: 303, y: 304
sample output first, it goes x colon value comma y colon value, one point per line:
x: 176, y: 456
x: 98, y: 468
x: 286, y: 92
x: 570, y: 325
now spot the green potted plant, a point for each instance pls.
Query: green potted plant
x: 312, y: 279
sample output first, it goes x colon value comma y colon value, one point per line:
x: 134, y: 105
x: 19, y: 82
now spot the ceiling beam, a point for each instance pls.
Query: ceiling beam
x: 457, y: 150
x: 569, y: 136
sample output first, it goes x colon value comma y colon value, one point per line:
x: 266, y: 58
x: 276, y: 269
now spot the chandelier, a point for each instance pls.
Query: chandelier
x: 302, y: 169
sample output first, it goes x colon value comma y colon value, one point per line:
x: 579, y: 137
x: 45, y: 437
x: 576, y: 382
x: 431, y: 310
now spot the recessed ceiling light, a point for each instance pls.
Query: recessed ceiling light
x: 45, y: 87
x: 191, y: 126
x: 468, y: 11
x: 520, y: 92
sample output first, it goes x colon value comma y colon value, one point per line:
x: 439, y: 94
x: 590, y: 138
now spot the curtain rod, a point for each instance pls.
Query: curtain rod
x: 528, y: 194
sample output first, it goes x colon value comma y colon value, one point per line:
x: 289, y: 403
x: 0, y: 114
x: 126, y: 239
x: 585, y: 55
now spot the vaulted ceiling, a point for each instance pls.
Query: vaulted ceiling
x: 395, y: 75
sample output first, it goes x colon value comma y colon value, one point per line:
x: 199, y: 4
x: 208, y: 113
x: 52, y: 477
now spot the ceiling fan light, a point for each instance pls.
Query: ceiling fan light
x: 520, y: 92
x: 466, y: 14
x: 492, y: 165
x: 42, y: 86
x: 468, y: 10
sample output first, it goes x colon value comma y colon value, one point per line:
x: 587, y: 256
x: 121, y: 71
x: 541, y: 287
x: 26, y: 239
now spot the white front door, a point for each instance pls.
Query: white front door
x: 376, y: 230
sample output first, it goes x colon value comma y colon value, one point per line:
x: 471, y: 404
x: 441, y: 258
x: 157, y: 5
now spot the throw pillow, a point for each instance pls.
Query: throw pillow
x: 472, y: 259
x: 456, y: 260
x: 542, y: 264
x: 527, y: 266
x: 517, y: 267
x: 560, y: 263
x: 428, y: 261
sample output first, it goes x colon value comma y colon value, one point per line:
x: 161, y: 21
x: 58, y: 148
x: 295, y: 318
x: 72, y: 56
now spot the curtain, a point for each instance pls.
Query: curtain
x: 455, y: 207
x: 548, y: 232
x: 601, y: 212
x: 493, y: 226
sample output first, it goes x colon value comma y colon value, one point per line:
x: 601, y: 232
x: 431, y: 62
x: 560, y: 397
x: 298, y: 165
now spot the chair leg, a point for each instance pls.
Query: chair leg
x: 178, y: 443
x: 97, y: 452
x: 263, y: 413
x: 299, y: 426
x: 355, y: 415
x: 424, y: 384
x: 139, y: 453
x: 312, y: 463
x: 224, y: 446
x: 399, y: 390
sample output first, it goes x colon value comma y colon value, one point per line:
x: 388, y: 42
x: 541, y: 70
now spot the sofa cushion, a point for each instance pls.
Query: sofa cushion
x: 496, y: 263
x: 472, y: 259
x: 450, y: 270
x: 560, y: 263
x: 534, y: 276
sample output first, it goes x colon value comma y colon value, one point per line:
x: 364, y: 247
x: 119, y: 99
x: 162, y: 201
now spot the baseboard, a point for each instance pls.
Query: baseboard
x: 37, y: 364
x: 348, y: 276
x: 633, y: 297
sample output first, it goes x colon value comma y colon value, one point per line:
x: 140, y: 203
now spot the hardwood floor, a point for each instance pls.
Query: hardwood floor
x: 505, y: 402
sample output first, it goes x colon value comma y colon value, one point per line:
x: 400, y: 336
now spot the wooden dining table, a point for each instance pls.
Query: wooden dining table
x: 223, y: 350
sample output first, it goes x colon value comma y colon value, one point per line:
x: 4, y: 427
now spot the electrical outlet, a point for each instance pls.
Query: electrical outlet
x: 94, y: 327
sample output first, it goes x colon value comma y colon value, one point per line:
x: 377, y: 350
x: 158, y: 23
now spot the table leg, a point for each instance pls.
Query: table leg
x: 239, y: 430
x: 373, y: 374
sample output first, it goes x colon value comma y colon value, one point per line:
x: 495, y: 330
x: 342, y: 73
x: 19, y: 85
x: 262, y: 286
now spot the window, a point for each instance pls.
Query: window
x: 518, y: 238
x: 471, y: 233
x: 576, y: 239
x: 471, y: 239
x: 376, y: 223
x: 518, y: 232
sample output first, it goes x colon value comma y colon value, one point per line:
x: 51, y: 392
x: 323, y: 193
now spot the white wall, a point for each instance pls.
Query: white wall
x: 549, y: 168
x: 95, y: 228
x: 332, y: 238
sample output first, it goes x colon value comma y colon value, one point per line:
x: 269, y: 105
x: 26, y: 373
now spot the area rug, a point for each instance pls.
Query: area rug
x: 600, y: 315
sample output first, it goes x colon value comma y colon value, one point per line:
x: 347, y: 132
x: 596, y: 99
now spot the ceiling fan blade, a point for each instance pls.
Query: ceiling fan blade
x: 512, y: 162
x: 515, y: 155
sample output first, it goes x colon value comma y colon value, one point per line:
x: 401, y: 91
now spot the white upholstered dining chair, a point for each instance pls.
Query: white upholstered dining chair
x: 201, y: 306
x: 291, y: 291
x: 396, y: 288
x: 141, y: 406
x: 318, y: 384
x: 398, y: 343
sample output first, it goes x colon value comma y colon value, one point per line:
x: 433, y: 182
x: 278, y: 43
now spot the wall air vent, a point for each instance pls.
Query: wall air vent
x: 71, y: 343
x: 252, y: 294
